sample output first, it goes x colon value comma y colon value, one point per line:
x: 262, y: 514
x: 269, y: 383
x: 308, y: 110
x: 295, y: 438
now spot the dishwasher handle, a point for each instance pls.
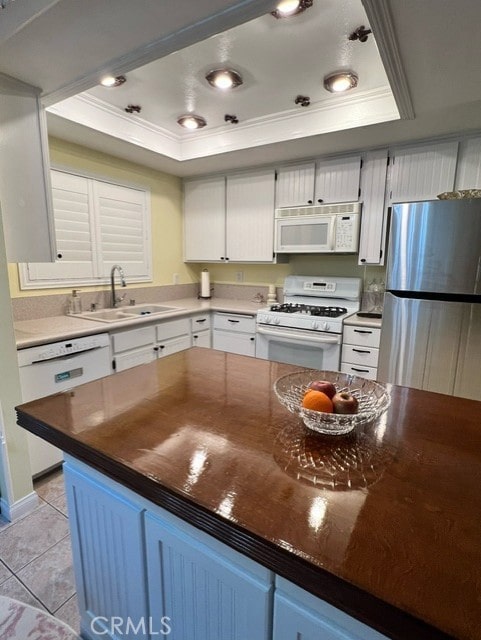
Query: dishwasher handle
x: 66, y: 356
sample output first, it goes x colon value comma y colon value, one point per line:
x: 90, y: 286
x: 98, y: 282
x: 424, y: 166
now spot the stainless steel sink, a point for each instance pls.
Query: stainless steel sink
x: 126, y: 313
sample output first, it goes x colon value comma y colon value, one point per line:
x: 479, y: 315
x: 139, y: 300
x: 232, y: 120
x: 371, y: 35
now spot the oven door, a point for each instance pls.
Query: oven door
x: 315, y: 350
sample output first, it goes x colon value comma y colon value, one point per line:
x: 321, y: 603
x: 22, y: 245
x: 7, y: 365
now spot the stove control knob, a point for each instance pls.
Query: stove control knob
x: 326, y: 326
x: 315, y: 324
x: 267, y: 320
x: 277, y: 321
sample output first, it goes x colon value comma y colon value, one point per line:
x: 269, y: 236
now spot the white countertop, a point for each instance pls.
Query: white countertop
x: 354, y: 319
x: 30, y: 333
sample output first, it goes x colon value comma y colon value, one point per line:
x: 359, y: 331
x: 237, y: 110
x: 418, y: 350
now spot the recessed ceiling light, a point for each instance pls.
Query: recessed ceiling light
x: 287, y: 8
x: 191, y: 121
x: 113, y: 81
x: 340, y: 81
x: 224, y: 78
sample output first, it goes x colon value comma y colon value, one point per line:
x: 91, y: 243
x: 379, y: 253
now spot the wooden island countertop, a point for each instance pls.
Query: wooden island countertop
x: 384, y: 523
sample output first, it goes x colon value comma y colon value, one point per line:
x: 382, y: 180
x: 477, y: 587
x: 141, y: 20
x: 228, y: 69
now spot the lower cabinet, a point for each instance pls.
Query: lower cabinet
x: 143, y: 573
x: 201, y: 334
x: 360, y: 350
x: 234, y: 332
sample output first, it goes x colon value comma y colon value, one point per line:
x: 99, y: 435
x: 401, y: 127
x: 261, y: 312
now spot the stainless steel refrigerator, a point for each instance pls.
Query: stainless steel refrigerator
x: 431, y: 328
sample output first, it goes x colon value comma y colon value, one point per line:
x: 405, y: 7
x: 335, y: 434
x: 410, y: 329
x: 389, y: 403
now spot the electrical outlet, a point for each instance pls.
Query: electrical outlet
x: 239, y: 276
x: 175, y: 278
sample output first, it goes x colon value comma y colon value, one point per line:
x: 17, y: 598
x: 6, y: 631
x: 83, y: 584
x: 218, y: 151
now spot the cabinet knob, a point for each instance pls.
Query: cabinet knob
x: 156, y: 348
x: 363, y: 260
x: 309, y: 202
x: 59, y: 255
x: 227, y: 258
x: 252, y: 339
x: 195, y: 337
x: 222, y: 258
x: 320, y: 200
x: 162, y: 346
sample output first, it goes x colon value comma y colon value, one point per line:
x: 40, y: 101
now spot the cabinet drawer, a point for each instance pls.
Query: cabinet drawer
x: 365, y: 356
x: 365, y: 336
x: 200, y: 322
x: 173, y: 345
x: 134, y: 358
x: 173, y: 328
x: 133, y: 338
x: 235, y: 322
x: 359, y: 370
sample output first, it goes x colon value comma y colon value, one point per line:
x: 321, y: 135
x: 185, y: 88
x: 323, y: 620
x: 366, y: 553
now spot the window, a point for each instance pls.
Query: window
x: 97, y: 225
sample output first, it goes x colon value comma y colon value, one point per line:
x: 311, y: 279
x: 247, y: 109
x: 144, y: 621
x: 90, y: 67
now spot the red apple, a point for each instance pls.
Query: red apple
x: 325, y: 386
x: 344, y: 402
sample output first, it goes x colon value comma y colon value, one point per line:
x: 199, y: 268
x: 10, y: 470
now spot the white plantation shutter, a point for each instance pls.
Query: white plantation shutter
x: 121, y: 225
x: 97, y: 225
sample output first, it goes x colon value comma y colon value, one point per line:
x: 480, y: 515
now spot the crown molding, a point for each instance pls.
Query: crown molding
x: 381, y: 23
x: 335, y: 114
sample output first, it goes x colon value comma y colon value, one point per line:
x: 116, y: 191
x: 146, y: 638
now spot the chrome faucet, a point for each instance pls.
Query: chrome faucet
x: 115, y: 300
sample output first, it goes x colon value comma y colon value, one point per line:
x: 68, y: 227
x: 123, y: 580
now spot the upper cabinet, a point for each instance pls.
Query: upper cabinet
x: 468, y: 173
x: 295, y: 185
x: 325, y: 181
x: 374, y: 213
x: 25, y: 192
x: 230, y: 219
x: 422, y: 172
x: 337, y: 179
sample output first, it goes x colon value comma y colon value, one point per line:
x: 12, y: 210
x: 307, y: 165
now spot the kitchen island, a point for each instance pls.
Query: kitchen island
x: 186, y: 476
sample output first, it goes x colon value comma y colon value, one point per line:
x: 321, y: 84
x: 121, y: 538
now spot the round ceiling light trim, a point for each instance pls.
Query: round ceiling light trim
x: 191, y: 121
x: 113, y: 81
x: 224, y: 79
x: 340, y: 81
x: 288, y: 8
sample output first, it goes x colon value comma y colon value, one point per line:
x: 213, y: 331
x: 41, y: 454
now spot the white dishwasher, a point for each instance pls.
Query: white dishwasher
x: 54, y: 367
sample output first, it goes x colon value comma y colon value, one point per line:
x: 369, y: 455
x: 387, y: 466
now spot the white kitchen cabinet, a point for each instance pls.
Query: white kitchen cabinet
x: 337, y: 179
x: 360, y: 350
x: 230, y: 219
x: 172, y: 336
x: 421, y: 172
x: 204, y: 219
x: 235, y: 333
x: 25, y: 191
x: 201, y: 333
x: 295, y: 185
x: 468, y: 172
x: 372, y: 239
x: 132, y: 347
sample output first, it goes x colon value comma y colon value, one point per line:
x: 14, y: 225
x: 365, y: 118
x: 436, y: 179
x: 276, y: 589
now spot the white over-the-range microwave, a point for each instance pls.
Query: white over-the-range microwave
x: 327, y: 228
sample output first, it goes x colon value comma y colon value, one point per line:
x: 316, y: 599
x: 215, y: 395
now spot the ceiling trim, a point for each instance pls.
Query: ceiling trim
x: 231, y: 16
x: 381, y: 23
x: 337, y: 113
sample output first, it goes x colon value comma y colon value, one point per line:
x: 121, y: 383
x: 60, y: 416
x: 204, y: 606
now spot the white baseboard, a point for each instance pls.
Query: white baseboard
x: 20, y: 508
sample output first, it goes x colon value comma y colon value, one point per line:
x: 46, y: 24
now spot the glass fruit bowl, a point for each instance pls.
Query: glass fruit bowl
x: 373, y: 399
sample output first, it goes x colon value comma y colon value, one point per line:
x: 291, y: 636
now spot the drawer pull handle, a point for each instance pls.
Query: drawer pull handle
x: 360, y: 370
x: 361, y: 331
x: 233, y: 321
x: 361, y: 350
x: 203, y: 320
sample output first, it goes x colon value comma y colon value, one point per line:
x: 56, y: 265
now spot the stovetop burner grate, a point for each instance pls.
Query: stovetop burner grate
x: 312, y: 310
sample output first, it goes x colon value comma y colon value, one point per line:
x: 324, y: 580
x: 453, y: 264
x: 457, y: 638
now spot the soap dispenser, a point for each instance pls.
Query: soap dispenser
x: 74, y: 304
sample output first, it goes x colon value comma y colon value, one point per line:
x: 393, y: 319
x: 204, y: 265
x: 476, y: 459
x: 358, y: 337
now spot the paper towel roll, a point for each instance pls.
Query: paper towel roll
x: 205, y: 284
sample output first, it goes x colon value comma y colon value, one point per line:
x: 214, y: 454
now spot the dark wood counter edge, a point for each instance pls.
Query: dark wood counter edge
x: 373, y: 611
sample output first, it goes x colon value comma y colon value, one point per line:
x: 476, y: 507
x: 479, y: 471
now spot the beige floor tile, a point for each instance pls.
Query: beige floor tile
x: 50, y: 487
x: 31, y: 536
x: 69, y: 613
x: 50, y: 577
x: 13, y: 588
x: 60, y: 504
x: 5, y: 573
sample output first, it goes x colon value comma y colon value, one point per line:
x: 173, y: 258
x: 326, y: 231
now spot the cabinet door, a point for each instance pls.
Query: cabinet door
x: 204, y: 219
x: 374, y: 212
x: 298, y: 615
x: 107, y: 547
x: 422, y: 172
x: 250, y: 217
x: 208, y: 591
x: 242, y: 343
x: 337, y: 179
x: 295, y: 185
x: 468, y: 172
x: 173, y: 345
x: 24, y: 175
x: 201, y: 339
x: 135, y: 357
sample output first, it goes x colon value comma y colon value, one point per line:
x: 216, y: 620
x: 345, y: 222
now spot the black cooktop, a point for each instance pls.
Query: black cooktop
x: 311, y: 310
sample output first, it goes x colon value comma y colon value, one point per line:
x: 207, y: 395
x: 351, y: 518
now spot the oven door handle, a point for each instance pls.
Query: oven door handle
x: 302, y: 338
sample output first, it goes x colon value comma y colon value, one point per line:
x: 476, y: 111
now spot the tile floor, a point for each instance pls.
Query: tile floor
x: 35, y: 554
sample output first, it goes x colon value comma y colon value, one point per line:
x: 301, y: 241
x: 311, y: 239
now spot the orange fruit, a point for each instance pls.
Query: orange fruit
x: 317, y: 401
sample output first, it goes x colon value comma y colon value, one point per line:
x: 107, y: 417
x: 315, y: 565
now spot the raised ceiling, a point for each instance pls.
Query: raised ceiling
x: 64, y: 48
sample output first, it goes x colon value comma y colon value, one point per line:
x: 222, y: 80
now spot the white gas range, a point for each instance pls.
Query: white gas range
x: 306, y: 329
